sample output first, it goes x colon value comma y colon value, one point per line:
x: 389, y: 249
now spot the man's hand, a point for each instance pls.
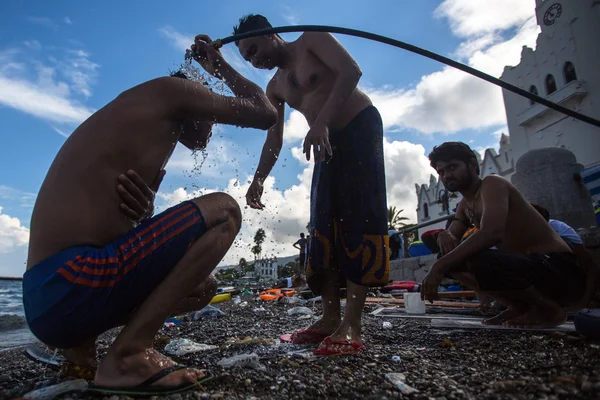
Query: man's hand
x: 318, y: 137
x: 137, y: 196
x: 447, y: 242
x: 207, y: 56
x: 254, y: 194
x: 431, y: 282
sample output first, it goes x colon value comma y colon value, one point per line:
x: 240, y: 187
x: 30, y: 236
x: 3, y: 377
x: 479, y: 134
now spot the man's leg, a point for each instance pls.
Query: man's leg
x: 330, y: 321
x: 350, y: 328
x: 86, y: 354
x: 131, y: 358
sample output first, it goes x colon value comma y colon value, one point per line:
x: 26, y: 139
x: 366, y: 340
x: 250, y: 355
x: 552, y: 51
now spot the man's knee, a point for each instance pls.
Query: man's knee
x: 220, y: 208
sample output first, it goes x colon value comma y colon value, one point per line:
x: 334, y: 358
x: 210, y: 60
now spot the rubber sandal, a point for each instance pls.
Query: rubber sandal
x: 314, y: 337
x: 326, y: 351
x: 147, y: 388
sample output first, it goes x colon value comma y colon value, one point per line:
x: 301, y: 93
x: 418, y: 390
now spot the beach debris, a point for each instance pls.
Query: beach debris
x: 387, y: 325
x: 397, y: 379
x: 446, y: 343
x: 172, y: 322
x: 301, y: 311
x: 247, y: 341
x: 207, y: 312
x: 181, y: 347
x: 259, y: 309
x: 50, y: 392
x: 396, y: 359
x: 243, y: 360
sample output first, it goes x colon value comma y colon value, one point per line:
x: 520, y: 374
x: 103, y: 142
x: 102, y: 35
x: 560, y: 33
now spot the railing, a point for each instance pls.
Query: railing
x: 407, y: 230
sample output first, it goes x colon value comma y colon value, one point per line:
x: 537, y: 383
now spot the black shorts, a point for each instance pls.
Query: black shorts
x: 302, y: 259
x: 556, y: 275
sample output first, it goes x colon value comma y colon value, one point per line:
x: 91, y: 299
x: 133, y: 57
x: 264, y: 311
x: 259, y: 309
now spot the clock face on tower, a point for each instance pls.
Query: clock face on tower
x: 552, y: 13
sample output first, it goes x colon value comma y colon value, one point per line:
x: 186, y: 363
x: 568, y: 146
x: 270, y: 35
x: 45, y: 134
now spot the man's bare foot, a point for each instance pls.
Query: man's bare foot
x: 509, y: 313
x: 322, y: 327
x: 538, y: 318
x: 345, y: 339
x: 133, y: 369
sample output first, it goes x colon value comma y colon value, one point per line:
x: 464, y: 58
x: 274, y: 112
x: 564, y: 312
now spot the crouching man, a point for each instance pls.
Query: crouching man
x: 531, y: 270
x: 91, y: 269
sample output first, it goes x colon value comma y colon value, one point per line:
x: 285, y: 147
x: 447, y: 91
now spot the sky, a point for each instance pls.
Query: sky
x: 62, y: 61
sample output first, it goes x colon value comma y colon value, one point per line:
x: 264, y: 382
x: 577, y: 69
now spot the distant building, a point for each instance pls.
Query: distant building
x: 562, y: 68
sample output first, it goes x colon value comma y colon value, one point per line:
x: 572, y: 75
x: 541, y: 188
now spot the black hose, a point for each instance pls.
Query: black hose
x: 414, y: 49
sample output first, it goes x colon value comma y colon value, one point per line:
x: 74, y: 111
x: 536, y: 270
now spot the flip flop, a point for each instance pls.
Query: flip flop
x: 57, y: 362
x: 314, y: 337
x: 147, y: 388
x: 326, y: 351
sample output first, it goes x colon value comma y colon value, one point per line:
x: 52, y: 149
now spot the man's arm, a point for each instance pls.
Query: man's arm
x: 192, y: 100
x: 274, y: 141
x: 297, y: 245
x: 347, y: 72
x: 494, y: 196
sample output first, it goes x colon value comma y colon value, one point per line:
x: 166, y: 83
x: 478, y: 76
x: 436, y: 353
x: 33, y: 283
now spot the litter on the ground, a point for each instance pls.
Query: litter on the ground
x: 207, y: 312
x: 397, y: 379
x: 243, y: 360
x: 300, y: 310
x: 180, y: 347
x: 50, y: 392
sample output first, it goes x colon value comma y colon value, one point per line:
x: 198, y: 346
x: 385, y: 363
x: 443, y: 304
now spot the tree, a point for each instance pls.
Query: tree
x: 259, y: 238
x: 395, y: 219
x: 244, y: 266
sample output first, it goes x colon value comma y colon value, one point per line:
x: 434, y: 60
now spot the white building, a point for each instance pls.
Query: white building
x: 564, y: 69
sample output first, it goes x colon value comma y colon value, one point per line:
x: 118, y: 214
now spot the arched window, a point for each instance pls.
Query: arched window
x: 532, y: 90
x: 569, y: 72
x: 550, y: 84
x: 426, y: 210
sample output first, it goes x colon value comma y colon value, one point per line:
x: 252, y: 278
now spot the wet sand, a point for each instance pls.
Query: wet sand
x: 476, y: 364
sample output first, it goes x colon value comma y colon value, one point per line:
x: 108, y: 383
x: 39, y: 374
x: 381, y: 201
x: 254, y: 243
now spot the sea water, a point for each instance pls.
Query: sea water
x: 13, y: 328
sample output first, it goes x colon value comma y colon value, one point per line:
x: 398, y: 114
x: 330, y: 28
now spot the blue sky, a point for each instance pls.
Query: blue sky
x: 60, y: 61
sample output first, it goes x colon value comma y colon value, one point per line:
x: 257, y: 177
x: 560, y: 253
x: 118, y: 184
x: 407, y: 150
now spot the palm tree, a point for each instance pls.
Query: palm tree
x: 395, y: 219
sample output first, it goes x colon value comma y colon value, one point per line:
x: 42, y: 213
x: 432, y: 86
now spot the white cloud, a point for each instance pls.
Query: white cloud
x: 61, y: 132
x: 290, y: 15
x: 40, y: 92
x: 287, y: 211
x: 25, y: 199
x: 295, y: 128
x: 40, y: 102
x: 67, y: 20
x: 450, y: 100
x: 469, y: 18
x: 12, y: 233
x: 43, y: 21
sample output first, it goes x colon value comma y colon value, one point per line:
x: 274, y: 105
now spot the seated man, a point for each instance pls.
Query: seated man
x: 91, y: 269
x: 570, y: 236
x: 532, y: 272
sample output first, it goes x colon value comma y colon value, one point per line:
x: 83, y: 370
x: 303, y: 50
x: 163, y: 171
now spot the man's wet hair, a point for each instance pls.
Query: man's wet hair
x: 249, y: 23
x: 452, y: 151
x: 542, y: 210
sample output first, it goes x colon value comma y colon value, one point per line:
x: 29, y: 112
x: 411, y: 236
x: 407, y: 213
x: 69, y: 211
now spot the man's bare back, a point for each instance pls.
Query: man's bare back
x: 525, y: 231
x: 305, y: 84
x: 78, y: 203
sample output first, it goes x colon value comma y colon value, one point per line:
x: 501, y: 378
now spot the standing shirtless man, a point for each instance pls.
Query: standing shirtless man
x: 91, y: 269
x: 348, y: 218
x: 533, y: 271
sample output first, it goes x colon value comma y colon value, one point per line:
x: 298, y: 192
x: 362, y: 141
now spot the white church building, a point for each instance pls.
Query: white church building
x: 564, y: 68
